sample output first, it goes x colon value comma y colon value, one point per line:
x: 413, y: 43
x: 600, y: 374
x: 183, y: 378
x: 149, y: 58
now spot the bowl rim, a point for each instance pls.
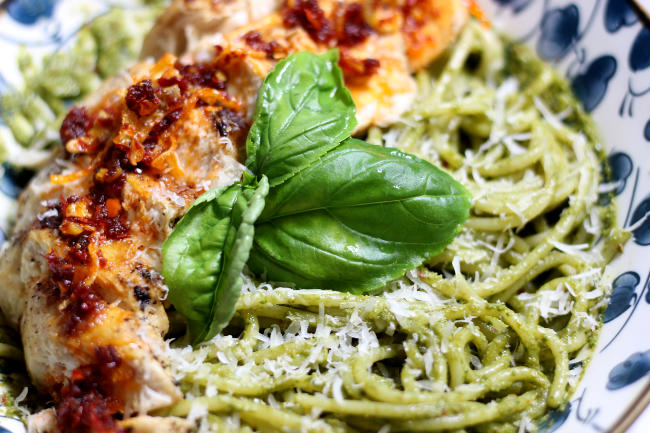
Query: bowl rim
x: 633, y: 411
x: 639, y: 404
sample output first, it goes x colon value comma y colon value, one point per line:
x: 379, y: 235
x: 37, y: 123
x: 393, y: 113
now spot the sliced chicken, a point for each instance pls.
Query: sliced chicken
x: 84, y: 287
x: 184, y: 22
x: 428, y: 26
x: 381, y: 42
x: 82, y: 271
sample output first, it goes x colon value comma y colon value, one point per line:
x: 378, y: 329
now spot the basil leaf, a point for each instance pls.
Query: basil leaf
x: 303, y: 110
x: 356, y: 219
x: 205, y: 254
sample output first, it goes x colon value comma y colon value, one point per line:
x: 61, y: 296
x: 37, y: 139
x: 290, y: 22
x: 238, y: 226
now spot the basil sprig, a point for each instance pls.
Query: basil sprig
x: 303, y: 110
x: 340, y: 214
x: 204, y: 256
x: 356, y: 219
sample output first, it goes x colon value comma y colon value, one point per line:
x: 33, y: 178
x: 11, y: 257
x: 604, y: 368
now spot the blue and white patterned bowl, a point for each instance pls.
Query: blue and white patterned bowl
x: 603, y: 47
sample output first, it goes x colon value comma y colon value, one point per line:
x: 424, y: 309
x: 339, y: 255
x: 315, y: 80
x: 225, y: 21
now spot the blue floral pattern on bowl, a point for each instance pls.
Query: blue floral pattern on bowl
x: 623, y: 295
x: 604, y: 49
x: 30, y: 11
x: 619, y: 13
x: 629, y: 371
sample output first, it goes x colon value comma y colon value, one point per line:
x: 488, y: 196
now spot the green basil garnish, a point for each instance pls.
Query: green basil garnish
x: 340, y: 213
x: 205, y: 254
x: 356, y: 219
x: 303, y: 110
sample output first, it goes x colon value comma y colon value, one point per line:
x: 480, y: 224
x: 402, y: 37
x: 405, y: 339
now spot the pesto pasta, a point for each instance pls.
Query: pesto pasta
x: 491, y: 334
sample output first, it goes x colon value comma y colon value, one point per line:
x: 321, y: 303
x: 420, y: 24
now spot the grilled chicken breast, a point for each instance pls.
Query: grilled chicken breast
x: 184, y: 23
x: 82, y: 270
x: 381, y: 42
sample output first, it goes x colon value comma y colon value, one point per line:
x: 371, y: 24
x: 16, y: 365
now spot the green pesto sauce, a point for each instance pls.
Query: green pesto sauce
x: 526, y: 66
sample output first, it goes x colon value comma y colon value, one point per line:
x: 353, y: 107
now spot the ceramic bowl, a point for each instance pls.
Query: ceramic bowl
x: 603, y: 48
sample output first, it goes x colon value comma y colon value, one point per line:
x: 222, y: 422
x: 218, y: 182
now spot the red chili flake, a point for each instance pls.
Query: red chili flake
x: 357, y: 69
x: 308, y: 15
x: 254, y: 40
x: 141, y: 98
x: 82, y: 303
x: 81, y: 300
x: 86, y: 404
x: 355, y: 29
x: 169, y: 81
x: 109, y: 178
x: 116, y: 228
x: 201, y: 75
x: 61, y: 270
x: 86, y: 413
x: 79, y: 247
x: 76, y: 124
x: 109, y: 183
x: 102, y: 259
x: 162, y: 126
